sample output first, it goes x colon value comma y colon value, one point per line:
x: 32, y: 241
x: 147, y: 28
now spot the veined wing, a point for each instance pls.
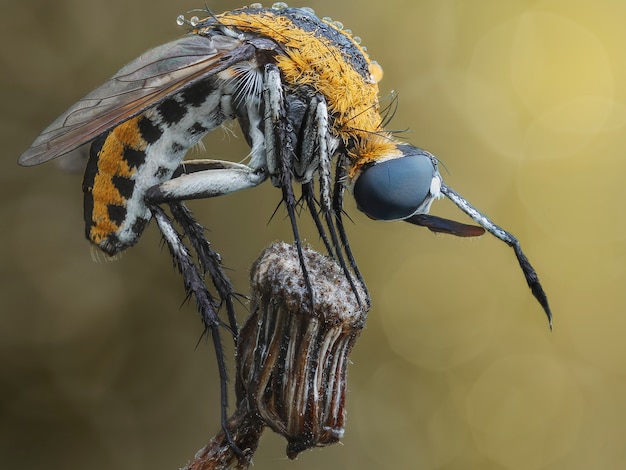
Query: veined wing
x: 144, y: 82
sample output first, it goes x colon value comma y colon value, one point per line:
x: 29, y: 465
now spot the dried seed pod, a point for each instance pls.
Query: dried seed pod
x: 292, y: 354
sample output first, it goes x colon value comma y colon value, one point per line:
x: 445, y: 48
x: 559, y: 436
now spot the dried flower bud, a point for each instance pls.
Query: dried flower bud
x: 291, y: 358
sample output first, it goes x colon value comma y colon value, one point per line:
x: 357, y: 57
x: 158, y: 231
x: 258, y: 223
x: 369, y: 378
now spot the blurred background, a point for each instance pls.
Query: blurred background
x: 523, y: 101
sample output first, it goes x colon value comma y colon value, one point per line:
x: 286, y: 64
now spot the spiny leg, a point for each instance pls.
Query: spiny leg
x: 307, y: 164
x: 279, y: 156
x: 290, y: 204
x: 317, y: 148
x: 338, y: 193
x: 334, y: 249
x: 529, y: 272
x: 331, y: 221
x: 209, y: 259
x: 308, y: 193
x: 330, y: 216
x: 206, y: 305
x: 196, y: 179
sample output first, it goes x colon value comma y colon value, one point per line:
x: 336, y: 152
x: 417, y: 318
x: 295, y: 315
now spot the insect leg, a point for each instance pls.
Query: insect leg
x: 308, y: 193
x: 201, y: 179
x: 279, y: 153
x: 322, y: 140
x: 341, y: 175
x: 208, y: 258
x: 194, y: 166
x: 224, y: 178
x: 305, y: 167
x: 194, y: 285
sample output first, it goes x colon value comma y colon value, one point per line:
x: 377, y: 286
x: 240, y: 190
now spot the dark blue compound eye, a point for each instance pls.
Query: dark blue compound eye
x: 395, y: 189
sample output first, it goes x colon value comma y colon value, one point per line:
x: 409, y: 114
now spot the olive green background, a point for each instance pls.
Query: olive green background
x: 524, y: 102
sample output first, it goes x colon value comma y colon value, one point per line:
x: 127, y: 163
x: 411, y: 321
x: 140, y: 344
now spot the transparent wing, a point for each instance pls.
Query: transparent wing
x: 144, y: 82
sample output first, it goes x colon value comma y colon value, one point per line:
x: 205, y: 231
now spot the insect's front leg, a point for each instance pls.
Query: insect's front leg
x: 322, y: 145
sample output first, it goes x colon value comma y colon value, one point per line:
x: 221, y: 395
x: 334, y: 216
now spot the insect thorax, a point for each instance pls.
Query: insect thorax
x: 320, y: 54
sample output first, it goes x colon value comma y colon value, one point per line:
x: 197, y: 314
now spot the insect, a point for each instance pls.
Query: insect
x: 305, y: 94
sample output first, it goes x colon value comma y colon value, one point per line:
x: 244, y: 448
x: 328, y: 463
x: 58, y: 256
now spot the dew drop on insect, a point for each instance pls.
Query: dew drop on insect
x: 308, y: 10
x: 347, y: 31
x: 327, y: 19
x: 338, y: 24
x: 180, y: 20
x: 194, y: 20
x: 376, y: 71
x: 279, y: 6
x: 256, y: 6
x: 357, y: 39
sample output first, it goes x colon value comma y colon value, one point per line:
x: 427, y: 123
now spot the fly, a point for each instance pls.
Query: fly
x: 305, y: 94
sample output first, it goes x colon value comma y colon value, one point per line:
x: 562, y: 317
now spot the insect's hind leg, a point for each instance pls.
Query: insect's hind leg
x: 209, y: 260
x: 197, y: 179
x: 193, y: 180
x: 206, y: 304
x: 200, y: 179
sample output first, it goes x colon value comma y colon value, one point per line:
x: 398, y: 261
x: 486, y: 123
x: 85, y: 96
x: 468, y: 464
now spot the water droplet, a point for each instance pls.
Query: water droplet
x: 348, y: 31
x: 376, y: 72
x: 308, y: 10
x: 327, y: 19
x: 256, y: 6
x: 338, y: 24
x: 194, y: 20
x: 279, y: 6
x: 180, y: 20
x: 357, y: 39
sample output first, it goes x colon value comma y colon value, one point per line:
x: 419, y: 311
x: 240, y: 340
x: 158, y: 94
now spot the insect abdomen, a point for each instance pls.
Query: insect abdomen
x: 141, y: 153
x: 109, y: 183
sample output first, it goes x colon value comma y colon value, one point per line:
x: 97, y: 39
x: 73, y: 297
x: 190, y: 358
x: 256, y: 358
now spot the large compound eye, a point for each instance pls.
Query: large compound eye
x: 396, y: 189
